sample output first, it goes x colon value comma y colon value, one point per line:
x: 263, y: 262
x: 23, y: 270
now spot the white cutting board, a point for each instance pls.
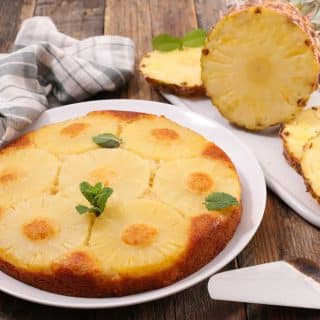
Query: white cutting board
x: 267, y: 147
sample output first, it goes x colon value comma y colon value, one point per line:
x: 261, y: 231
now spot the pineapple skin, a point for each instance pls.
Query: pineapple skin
x: 77, y: 270
x: 293, y: 16
x: 186, y: 86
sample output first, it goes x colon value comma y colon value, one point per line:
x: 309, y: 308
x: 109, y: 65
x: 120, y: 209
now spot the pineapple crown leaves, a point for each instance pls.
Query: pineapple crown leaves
x: 167, y: 42
x: 97, y: 196
x: 219, y: 201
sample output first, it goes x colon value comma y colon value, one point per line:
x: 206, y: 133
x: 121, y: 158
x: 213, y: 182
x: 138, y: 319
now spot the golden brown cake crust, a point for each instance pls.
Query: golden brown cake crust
x: 80, y: 274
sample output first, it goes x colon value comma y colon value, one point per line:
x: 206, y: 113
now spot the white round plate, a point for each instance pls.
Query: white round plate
x: 254, y: 198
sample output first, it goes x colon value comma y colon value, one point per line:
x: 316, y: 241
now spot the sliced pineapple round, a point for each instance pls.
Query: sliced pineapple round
x: 36, y: 232
x: 296, y: 133
x: 260, y: 64
x: 25, y: 173
x: 310, y: 166
x: 74, y: 136
x: 185, y: 183
x: 139, y: 237
x: 176, y: 71
x: 126, y: 173
x: 159, y: 138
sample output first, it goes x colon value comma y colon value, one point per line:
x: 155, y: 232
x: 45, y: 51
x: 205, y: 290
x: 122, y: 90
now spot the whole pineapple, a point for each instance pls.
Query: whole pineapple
x: 260, y: 63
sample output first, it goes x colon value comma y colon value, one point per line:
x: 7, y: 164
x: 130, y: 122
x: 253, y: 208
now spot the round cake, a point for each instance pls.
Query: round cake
x: 155, y: 228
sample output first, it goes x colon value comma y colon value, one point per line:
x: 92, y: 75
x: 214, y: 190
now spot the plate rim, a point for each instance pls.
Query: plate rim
x: 48, y: 298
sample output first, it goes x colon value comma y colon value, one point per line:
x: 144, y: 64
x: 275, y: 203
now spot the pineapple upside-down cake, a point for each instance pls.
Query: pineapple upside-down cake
x: 154, y: 230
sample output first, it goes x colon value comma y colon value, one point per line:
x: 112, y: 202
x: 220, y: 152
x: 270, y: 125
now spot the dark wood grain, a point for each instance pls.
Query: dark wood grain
x: 12, y: 13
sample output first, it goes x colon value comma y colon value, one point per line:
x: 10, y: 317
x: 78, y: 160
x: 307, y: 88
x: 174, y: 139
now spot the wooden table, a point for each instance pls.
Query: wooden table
x: 283, y: 234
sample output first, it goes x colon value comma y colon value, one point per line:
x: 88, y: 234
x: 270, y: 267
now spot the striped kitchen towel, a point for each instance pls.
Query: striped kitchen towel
x: 47, y: 69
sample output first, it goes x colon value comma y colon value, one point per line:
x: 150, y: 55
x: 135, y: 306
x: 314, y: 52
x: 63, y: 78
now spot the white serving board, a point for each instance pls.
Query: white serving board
x: 267, y: 147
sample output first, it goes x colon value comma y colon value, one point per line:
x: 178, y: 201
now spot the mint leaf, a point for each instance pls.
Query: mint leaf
x: 96, y: 195
x: 82, y: 209
x: 220, y: 200
x: 166, y: 42
x: 107, y: 140
x: 194, y: 38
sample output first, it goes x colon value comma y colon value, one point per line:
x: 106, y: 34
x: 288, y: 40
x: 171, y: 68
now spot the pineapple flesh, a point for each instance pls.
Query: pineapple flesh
x: 26, y: 173
x: 260, y: 64
x: 297, y: 132
x: 176, y: 71
x: 139, y: 237
x: 112, y: 167
x: 310, y: 166
x: 36, y: 232
x: 159, y: 138
x: 74, y: 136
x: 184, y: 183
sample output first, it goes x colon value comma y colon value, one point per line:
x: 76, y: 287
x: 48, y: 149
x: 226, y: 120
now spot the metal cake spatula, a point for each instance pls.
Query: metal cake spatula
x: 294, y: 283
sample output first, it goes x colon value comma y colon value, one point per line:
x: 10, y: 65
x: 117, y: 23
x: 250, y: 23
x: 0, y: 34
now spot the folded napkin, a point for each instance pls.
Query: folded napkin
x: 48, y: 69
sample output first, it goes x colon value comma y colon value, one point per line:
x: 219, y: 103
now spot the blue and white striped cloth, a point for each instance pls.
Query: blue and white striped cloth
x: 47, y: 69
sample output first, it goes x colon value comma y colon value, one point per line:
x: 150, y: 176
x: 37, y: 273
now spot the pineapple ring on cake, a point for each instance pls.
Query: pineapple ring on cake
x: 297, y: 132
x: 310, y: 166
x: 184, y: 183
x: 140, y: 237
x: 260, y: 64
x: 159, y: 138
x: 25, y: 173
x: 36, y: 232
x: 74, y: 136
x: 176, y: 71
x: 126, y: 173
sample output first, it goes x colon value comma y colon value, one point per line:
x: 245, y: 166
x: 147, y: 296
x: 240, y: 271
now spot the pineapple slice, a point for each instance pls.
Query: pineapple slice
x: 25, y: 173
x: 260, y: 64
x: 296, y: 133
x: 159, y: 138
x: 40, y: 230
x: 138, y: 238
x: 310, y: 166
x: 184, y: 183
x: 74, y: 136
x: 176, y: 71
x: 119, y: 169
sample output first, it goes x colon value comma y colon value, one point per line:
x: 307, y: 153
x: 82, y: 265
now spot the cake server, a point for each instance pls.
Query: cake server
x: 294, y: 283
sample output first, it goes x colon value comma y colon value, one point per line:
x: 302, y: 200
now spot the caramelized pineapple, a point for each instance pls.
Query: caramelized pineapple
x: 25, y: 173
x: 159, y: 138
x: 184, y: 183
x: 139, y: 237
x: 296, y: 133
x: 176, y: 71
x: 74, y: 136
x: 126, y: 173
x: 40, y: 230
x: 260, y: 64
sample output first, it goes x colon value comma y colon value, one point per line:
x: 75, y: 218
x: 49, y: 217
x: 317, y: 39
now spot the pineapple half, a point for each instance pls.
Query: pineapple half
x: 184, y: 183
x: 310, y: 166
x: 126, y: 173
x: 297, y: 132
x: 161, y: 139
x: 260, y: 64
x: 176, y: 71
